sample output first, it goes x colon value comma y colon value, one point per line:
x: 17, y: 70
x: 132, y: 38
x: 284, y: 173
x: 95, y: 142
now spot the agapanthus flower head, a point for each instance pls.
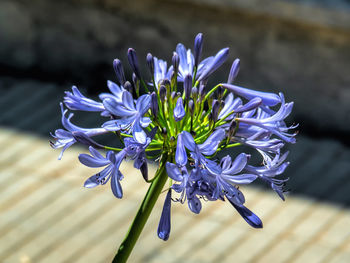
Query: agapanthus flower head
x: 177, y: 119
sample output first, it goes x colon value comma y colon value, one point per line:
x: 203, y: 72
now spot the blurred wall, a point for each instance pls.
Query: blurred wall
x: 300, y: 49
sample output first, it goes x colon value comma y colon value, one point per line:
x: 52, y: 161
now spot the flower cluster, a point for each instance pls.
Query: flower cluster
x: 182, y: 122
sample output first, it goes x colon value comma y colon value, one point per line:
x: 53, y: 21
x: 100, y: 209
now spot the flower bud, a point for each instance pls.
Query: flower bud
x: 188, y: 86
x: 128, y: 86
x: 201, y: 92
x: 179, y: 110
x: 154, y: 104
x: 162, y: 92
x: 164, y: 225
x: 234, y: 71
x: 135, y: 79
x: 173, y: 95
x: 119, y: 71
x: 220, y: 92
x: 232, y: 128
x: 198, y: 45
x: 150, y: 63
x: 191, y: 106
x: 144, y: 170
x: 215, y: 110
x: 175, y: 61
x: 133, y: 62
x: 194, y: 92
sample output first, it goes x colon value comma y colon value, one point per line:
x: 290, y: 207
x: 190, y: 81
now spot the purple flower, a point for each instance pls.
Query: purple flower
x: 187, y: 186
x: 273, y: 167
x: 209, y: 147
x: 136, y: 150
x: 132, y: 120
x: 223, y: 181
x: 272, y: 123
x: 64, y: 138
x: 213, y: 64
x: 117, y: 92
x: 77, y: 101
x: 164, y: 225
x: 110, y: 172
x: 179, y: 110
x: 186, y: 63
x: 229, y: 176
x: 160, y: 71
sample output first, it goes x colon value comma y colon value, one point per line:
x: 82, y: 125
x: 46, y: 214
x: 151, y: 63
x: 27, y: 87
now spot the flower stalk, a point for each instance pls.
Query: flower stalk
x: 143, y: 213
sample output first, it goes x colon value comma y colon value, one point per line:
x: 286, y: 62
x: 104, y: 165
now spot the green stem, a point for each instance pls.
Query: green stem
x: 143, y: 213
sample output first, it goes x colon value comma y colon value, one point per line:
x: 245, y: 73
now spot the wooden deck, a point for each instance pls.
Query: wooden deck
x: 47, y: 216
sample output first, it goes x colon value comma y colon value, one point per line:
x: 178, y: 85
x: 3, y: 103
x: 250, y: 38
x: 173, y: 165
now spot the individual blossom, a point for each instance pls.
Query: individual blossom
x: 64, y: 138
x: 132, y: 118
x: 111, y: 171
x: 76, y: 101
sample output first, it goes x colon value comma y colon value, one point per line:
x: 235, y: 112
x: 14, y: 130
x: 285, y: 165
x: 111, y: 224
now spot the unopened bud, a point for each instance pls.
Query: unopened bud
x: 234, y: 71
x: 188, y: 86
x: 191, y: 106
x: 133, y: 62
x: 198, y: 45
x: 128, y: 86
x: 162, y: 92
x: 201, y: 92
x: 154, y: 104
x: 150, y: 63
x: 194, y: 92
x: 215, y: 110
x: 144, y: 170
x: 119, y: 71
x: 232, y: 127
x: 175, y: 61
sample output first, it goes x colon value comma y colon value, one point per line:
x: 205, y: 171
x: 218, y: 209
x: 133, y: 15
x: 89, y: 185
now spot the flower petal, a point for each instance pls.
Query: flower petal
x: 248, y: 215
x: 268, y: 99
x: 173, y: 172
x: 210, y: 146
x: 164, y: 225
x: 195, y: 204
x: 115, y: 184
x: 188, y: 141
x: 180, y: 154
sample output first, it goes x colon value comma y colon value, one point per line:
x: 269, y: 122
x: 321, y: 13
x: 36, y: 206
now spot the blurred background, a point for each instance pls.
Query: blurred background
x: 298, y: 47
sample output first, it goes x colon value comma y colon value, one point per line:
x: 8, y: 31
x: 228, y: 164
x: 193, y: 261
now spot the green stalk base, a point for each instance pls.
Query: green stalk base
x: 143, y: 213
